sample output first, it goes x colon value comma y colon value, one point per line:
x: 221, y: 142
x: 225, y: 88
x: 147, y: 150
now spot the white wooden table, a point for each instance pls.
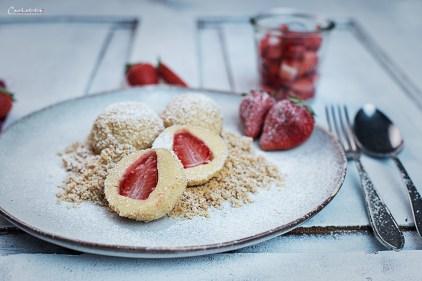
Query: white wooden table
x: 80, y: 47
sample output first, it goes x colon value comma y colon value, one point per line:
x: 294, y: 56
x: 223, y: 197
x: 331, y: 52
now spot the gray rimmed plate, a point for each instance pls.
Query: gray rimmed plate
x: 31, y: 171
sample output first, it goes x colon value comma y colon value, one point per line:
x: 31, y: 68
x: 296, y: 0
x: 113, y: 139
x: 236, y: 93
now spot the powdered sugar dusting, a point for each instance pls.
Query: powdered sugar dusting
x: 130, y: 123
x: 252, y: 111
x: 193, y: 109
x: 123, y: 111
x: 165, y: 140
x: 286, y: 126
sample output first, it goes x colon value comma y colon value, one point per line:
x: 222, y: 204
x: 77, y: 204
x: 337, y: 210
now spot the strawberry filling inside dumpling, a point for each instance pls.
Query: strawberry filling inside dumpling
x: 140, y: 178
x: 201, y: 152
x: 145, y: 185
x: 191, y: 150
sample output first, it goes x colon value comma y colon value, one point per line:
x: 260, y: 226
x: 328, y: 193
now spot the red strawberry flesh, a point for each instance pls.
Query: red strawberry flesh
x: 294, y: 51
x: 289, y: 70
x: 310, y: 62
x: 252, y: 112
x: 270, y: 47
x: 140, y: 178
x: 190, y: 150
x: 313, y: 41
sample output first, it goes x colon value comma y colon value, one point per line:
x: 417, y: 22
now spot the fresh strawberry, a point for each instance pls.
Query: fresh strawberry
x: 6, y: 103
x: 141, y: 74
x: 286, y: 126
x: 190, y: 150
x: 169, y: 76
x: 252, y: 111
x: 304, y: 88
x: 141, y: 178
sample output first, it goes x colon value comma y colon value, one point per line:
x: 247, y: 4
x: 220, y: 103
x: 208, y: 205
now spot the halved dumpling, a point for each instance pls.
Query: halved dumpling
x: 201, y: 151
x: 145, y: 185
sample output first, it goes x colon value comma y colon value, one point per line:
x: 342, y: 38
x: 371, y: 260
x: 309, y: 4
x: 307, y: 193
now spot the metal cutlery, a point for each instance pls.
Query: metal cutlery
x: 379, y: 137
x: 383, y: 224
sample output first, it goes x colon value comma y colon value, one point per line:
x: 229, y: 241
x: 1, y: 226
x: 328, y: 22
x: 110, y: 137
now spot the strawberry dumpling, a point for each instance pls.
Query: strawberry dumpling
x: 126, y: 123
x: 193, y: 109
x: 252, y: 111
x: 145, y: 185
x: 201, y: 152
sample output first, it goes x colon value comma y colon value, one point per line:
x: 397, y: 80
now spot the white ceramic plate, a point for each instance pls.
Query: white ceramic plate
x: 30, y: 171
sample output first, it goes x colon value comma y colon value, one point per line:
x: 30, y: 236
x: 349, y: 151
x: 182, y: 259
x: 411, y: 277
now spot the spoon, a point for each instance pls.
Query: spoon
x: 379, y: 137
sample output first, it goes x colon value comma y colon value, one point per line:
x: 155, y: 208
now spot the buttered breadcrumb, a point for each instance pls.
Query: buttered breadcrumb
x: 244, y: 173
x: 86, y: 171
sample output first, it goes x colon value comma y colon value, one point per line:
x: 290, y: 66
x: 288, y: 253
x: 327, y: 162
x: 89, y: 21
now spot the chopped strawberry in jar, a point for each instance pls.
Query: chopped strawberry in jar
x: 313, y: 41
x: 289, y: 43
x: 303, y: 88
x: 290, y: 70
x: 270, y: 47
x: 309, y: 63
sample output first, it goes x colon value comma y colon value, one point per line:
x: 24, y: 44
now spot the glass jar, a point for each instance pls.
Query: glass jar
x: 289, y: 46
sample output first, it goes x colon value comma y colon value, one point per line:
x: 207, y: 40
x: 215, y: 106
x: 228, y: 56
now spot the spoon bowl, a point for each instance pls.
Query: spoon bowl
x: 376, y: 133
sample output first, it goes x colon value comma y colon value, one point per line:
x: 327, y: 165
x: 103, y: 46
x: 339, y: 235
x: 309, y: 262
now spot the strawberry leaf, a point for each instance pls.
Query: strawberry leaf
x: 127, y: 67
x: 300, y: 102
x: 7, y: 93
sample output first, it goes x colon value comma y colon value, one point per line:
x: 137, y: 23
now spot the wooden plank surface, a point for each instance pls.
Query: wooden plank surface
x: 238, y: 266
x: 55, y: 66
x: 295, y: 242
x: 117, y: 47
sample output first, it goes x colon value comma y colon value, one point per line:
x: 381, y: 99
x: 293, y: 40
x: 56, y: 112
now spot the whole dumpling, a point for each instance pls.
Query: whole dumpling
x: 126, y: 123
x: 193, y: 109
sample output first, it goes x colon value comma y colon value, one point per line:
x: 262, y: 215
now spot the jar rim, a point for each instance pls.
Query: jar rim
x: 325, y: 24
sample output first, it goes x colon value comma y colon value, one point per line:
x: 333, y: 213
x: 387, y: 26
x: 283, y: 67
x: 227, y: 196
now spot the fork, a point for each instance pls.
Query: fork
x: 384, y: 226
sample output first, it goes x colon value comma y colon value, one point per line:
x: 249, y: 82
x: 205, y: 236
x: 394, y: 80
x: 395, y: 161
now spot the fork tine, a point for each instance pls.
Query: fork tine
x: 350, y: 132
x: 337, y: 129
x: 344, y: 126
x: 327, y: 117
